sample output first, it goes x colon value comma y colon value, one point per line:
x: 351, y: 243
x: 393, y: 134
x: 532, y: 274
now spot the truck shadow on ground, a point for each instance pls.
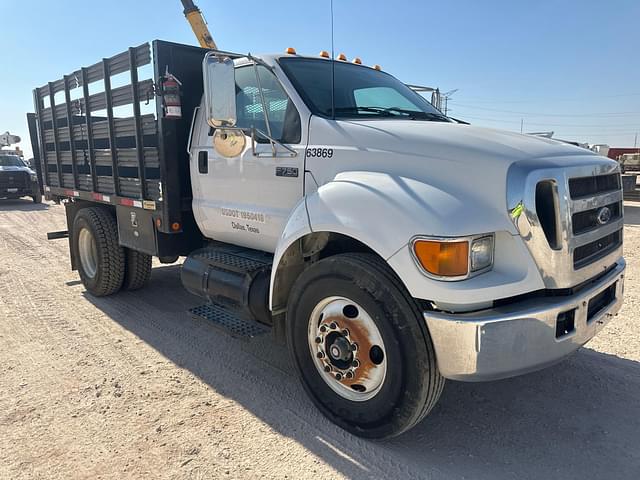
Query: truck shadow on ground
x: 22, y: 205
x: 578, y: 419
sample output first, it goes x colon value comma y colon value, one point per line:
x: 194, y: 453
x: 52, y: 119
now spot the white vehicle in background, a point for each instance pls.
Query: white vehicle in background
x: 387, y: 245
x: 629, y: 162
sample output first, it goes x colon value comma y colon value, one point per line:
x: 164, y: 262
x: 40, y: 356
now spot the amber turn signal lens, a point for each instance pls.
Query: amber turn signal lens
x: 290, y: 51
x: 445, y: 259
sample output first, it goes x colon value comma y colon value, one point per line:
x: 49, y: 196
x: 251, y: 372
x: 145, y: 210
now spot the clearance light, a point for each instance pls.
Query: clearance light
x: 443, y: 259
x: 290, y: 51
x: 357, y: 60
x: 377, y: 67
x: 158, y: 222
x: 324, y: 54
x: 175, y: 226
x: 342, y: 57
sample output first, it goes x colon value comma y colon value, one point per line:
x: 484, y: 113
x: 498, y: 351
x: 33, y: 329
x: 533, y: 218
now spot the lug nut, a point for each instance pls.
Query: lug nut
x: 349, y: 374
x: 345, y: 332
x: 327, y: 368
x: 355, y: 364
x: 323, y: 328
x: 320, y: 355
x: 338, y: 376
x: 333, y: 325
x: 353, y: 347
x: 318, y: 340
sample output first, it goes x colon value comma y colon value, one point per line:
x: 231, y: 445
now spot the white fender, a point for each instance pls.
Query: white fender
x: 297, y: 227
x: 385, y: 212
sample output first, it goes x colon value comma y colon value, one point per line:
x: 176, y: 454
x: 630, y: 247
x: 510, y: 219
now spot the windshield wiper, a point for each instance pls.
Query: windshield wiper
x: 396, y: 112
x: 383, y: 111
x: 417, y: 114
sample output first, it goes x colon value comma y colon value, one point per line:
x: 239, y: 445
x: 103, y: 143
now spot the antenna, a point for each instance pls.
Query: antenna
x: 333, y: 69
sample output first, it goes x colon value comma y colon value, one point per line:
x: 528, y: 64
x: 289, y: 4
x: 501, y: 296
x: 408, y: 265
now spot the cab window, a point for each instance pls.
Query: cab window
x: 283, y: 116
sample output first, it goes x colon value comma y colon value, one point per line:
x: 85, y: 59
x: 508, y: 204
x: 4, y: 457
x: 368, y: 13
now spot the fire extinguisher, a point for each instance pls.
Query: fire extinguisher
x: 171, y: 96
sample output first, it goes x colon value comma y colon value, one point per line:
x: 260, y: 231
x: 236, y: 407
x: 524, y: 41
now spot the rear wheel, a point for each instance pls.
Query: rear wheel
x: 100, y: 259
x: 137, y: 269
x: 360, y: 345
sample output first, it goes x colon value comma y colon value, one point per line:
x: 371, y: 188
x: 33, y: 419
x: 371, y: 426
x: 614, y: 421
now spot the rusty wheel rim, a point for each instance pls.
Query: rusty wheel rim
x: 347, y: 348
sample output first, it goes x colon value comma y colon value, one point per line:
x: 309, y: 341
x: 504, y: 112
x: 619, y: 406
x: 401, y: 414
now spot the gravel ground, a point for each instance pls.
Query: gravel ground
x: 132, y: 387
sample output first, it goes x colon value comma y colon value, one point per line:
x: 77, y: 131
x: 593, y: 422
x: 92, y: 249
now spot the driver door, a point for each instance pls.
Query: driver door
x: 247, y: 199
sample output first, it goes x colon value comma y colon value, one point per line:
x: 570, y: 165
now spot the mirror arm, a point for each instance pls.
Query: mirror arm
x: 254, y: 130
x: 264, y: 109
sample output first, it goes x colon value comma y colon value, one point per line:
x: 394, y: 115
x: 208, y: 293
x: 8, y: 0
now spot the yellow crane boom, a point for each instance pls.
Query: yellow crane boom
x: 198, y: 25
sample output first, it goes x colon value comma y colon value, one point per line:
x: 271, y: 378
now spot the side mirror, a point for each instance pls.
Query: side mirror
x: 219, y: 90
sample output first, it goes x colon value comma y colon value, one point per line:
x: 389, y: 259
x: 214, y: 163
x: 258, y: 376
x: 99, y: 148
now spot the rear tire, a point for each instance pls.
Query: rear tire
x: 137, y: 269
x: 37, y: 198
x: 353, y: 304
x: 99, y: 257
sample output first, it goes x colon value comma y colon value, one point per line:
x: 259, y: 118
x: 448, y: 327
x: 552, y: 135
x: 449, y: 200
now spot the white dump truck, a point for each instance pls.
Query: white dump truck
x: 387, y: 246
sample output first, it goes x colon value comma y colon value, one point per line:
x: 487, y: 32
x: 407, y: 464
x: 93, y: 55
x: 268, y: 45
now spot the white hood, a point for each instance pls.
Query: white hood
x: 458, y: 168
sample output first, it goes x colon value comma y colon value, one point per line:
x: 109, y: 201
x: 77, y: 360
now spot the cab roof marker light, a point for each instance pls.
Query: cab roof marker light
x: 342, y: 57
x: 290, y: 51
x: 377, y: 67
x: 324, y: 54
x: 357, y: 61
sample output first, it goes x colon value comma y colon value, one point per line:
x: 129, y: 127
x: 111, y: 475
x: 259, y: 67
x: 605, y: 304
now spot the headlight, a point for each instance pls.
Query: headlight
x: 453, y: 258
x: 481, y: 256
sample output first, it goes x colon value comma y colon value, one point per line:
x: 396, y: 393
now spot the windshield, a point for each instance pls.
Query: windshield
x: 360, y: 92
x: 10, y: 161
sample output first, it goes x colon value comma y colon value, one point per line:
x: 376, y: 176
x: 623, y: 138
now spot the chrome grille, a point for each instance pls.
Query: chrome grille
x: 592, y: 251
x: 588, y: 219
x: 563, y: 222
x: 595, y: 185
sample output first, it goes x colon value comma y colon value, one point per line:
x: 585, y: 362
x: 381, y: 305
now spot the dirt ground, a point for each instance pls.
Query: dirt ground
x: 132, y: 387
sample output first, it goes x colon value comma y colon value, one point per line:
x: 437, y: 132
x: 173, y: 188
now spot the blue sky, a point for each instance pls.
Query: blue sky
x: 569, y: 66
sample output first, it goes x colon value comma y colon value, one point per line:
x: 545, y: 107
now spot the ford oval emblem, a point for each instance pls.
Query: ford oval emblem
x: 604, y: 215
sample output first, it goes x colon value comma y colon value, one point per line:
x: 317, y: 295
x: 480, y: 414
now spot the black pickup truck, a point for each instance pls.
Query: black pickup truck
x: 17, y: 179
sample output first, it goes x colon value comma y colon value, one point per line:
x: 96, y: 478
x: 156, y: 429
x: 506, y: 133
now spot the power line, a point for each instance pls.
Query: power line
x: 599, y: 126
x: 532, y: 114
x: 551, y: 99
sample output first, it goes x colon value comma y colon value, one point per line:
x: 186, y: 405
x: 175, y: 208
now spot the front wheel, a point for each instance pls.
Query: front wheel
x: 360, y: 345
x: 37, y: 197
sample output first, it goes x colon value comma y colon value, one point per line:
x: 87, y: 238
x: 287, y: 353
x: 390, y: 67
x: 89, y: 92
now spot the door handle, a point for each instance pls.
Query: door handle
x: 203, y: 161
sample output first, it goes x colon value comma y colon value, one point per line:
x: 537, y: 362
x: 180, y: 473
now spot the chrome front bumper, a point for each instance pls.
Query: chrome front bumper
x: 521, y: 337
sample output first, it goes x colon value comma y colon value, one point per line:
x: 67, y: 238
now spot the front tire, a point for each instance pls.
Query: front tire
x: 360, y: 346
x: 99, y: 257
x: 37, y: 197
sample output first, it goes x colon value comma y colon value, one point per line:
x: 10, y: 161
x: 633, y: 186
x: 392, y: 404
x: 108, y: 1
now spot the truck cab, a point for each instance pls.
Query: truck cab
x: 386, y: 245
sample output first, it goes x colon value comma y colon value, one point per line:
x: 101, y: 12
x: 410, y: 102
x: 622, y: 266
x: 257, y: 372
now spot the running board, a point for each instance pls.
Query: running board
x: 229, y: 320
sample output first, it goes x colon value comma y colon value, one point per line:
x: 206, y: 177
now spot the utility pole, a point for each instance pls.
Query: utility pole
x: 446, y: 97
x: 521, y: 124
